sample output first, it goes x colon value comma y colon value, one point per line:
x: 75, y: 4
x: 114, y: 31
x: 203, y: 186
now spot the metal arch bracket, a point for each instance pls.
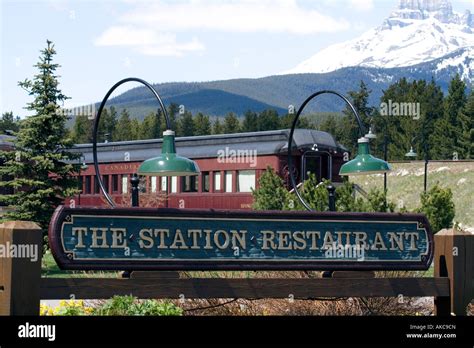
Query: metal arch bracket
x: 96, y: 128
x: 293, y: 126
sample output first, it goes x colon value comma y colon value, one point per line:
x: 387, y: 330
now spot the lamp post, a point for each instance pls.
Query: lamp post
x: 413, y: 154
x: 83, y: 166
x: 166, y: 164
x: 363, y: 163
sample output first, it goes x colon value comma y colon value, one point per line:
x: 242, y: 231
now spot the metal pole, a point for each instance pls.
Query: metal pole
x: 332, y: 197
x: 426, y: 166
x: 292, y: 130
x: 135, y: 191
x: 385, y: 155
x: 96, y: 128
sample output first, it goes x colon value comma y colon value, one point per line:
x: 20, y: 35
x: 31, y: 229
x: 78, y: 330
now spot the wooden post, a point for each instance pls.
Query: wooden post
x: 454, y: 258
x: 20, y: 268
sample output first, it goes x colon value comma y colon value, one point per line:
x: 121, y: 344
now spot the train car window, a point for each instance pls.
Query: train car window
x: 81, y: 183
x: 228, y: 181
x: 143, y: 184
x: 153, y: 183
x: 115, y: 183
x: 318, y: 164
x: 164, y: 183
x: 96, y: 186
x: 205, y: 181
x: 245, y: 180
x: 124, y: 183
x: 87, y: 190
x: 105, y: 179
x: 217, y: 181
x: 174, y: 184
x: 189, y: 183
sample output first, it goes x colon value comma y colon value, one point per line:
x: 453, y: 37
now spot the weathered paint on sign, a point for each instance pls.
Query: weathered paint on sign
x: 135, y: 238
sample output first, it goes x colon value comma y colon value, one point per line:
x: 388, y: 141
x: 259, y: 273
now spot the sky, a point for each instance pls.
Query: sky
x: 100, y: 42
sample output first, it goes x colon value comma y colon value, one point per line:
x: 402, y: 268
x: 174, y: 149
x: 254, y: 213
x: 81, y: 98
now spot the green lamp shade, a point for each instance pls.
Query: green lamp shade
x: 411, y: 153
x: 364, y: 162
x: 169, y: 163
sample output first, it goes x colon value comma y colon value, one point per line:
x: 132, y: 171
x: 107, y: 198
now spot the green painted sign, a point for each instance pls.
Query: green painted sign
x: 135, y: 238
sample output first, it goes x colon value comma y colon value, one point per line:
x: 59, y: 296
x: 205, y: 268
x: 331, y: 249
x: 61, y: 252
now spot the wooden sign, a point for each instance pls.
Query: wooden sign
x: 187, y: 239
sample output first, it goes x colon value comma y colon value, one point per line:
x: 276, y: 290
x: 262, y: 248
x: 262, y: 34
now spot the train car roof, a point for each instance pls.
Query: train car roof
x: 6, y: 142
x: 208, y: 146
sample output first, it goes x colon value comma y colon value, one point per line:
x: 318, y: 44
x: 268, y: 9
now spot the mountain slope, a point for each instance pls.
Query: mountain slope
x: 278, y: 92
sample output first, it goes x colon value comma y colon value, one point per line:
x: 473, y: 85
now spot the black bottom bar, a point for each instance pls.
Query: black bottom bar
x: 244, y: 330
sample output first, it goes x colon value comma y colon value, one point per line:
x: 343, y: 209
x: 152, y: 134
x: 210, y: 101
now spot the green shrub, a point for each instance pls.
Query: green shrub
x: 438, y: 206
x: 271, y: 194
x: 130, y: 305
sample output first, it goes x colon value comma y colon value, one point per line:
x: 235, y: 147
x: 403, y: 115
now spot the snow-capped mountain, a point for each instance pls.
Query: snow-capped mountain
x: 419, y: 31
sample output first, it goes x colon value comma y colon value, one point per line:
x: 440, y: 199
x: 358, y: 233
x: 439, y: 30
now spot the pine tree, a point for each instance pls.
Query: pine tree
x: 271, y: 193
x: 350, y: 129
x: 135, y: 129
x: 466, y: 118
x: 173, y: 111
x: 202, y: 124
x: 8, y: 122
x: 286, y: 122
x: 431, y: 106
x: 454, y: 104
x: 107, y: 124
x: 268, y: 120
x: 150, y: 127
x: 217, y: 128
x: 82, y: 130
x: 123, y: 128
x: 231, y: 123
x: 250, y: 122
x: 185, y: 125
x: 41, y: 165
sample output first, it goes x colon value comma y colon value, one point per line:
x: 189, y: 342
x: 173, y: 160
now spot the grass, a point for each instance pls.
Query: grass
x: 405, y: 184
x: 50, y: 269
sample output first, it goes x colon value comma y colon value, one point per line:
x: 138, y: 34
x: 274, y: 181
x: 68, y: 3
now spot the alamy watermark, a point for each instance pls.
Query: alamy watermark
x: 228, y: 155
x: 22, y: 251
x: 347, y: 251
x: 393, y: 108
x: 85, y: 110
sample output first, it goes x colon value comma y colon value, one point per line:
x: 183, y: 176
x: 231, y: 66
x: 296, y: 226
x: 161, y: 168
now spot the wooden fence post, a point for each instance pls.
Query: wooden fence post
x: 21, y: 249
x: 454, y: 258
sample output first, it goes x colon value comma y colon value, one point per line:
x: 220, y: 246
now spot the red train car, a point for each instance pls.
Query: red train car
x: 230, y: 164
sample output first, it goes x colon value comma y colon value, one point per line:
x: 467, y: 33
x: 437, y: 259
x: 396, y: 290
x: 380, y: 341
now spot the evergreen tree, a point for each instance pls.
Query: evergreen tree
x: 202, y: 124
x: 231, y: 123
x: 450, y: 126
x: 82, y: 130
x: 431, y: 106
x: 135, y: 129
x: 250, y: 122
x: 150, y: 127
x: 41, y: 163
x: 9, y: 123
x: 107, y: 124
x: 217, y: 128
x: 173, y: 112
x: 286, y: 122
x: 394, y: 127
x: 466, y: 118
x: 330, y: 125
x: 268, y: 120
x: 349, y: 127
x: 271, y: 193
x: 123, y: 129
x: 185, y: 125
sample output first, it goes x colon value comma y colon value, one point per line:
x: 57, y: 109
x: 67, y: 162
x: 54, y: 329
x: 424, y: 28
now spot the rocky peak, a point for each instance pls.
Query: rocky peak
x: 442, y: 10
